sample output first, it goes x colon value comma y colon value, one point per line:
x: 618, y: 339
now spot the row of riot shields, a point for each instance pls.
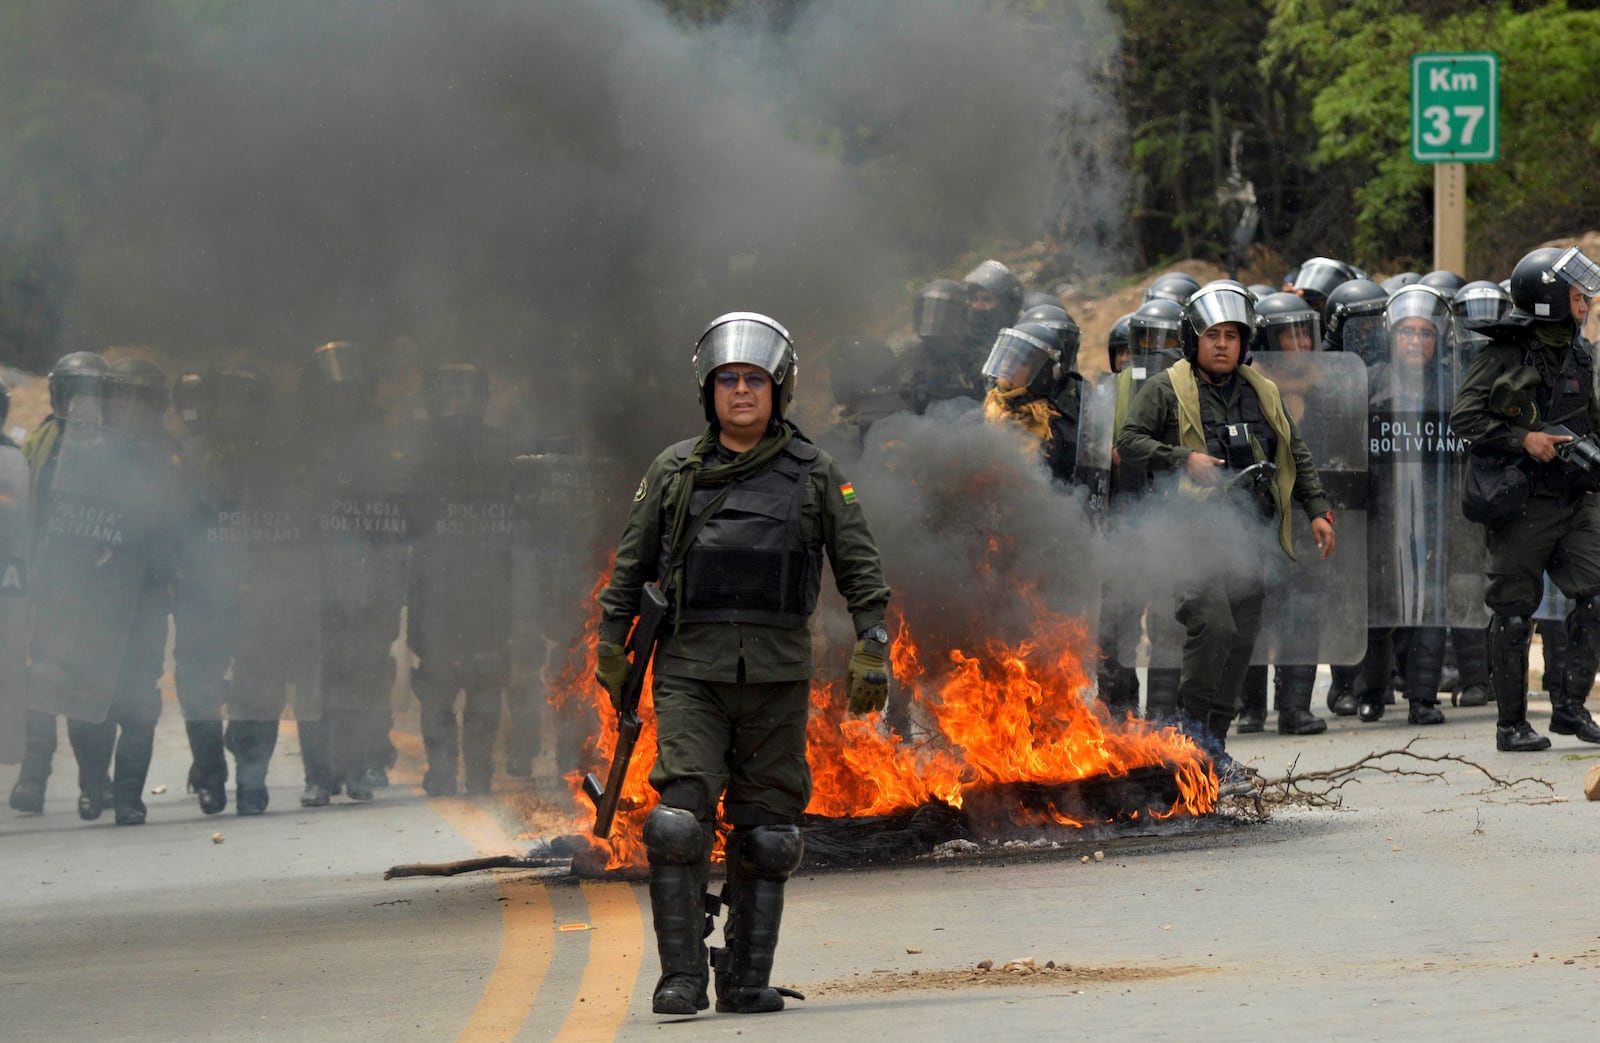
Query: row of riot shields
x: 1380, y: 439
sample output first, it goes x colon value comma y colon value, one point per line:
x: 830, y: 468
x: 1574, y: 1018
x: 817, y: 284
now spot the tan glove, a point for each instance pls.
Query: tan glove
x: 869, y: 676
x: 611, y: 670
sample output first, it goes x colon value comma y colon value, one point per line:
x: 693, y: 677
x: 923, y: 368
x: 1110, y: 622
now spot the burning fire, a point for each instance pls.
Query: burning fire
x: 999, y: 714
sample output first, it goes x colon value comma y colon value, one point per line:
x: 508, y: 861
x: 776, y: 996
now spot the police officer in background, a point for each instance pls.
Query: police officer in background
x: 1202, y: 418
x: 733, y: 525
x: 79, y: 373
x: 940, y: 363
x: 1026, y: 371
x: 1538, y: 348
x: 459, y: 601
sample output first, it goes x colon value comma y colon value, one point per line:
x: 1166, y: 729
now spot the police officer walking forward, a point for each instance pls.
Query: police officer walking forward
x: 733, y: 526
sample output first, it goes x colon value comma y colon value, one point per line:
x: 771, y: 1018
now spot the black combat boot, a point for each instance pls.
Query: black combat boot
x: 1342, y: 700
x: 135, y: 747
x: 1424, y: 668
x: 760, y: 860
x: 1567, y: 713
x: 39, y: 750
x: 1293, y: 685
x: 252, y: 743
x: 1472, y: 659
x: 1253, y: 714
x: 1161, y: 694
x: 1508, y: 674
x: 680, y: 868
x: 208, y: 773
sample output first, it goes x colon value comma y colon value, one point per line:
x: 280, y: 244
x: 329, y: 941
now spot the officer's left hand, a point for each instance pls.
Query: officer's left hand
x: 611, y: 670
x: 869, y: 677
x: 1322, y: 529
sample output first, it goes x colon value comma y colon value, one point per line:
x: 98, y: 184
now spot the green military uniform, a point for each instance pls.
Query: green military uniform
x: 731, y: 698
x: 1173, y: 415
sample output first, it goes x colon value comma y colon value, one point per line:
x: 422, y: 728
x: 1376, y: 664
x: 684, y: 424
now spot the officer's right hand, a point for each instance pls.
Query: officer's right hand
x: 1543, y: 447
x: 869, y: 674
x: 611, y: 670
x: 1205, y: 470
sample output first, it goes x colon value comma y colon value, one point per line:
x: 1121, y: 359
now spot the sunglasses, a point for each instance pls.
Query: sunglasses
x: 753, y: 381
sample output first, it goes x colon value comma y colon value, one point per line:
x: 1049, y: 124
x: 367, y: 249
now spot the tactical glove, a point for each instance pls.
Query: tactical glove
x: 869, y: 676
x: 611, y: 670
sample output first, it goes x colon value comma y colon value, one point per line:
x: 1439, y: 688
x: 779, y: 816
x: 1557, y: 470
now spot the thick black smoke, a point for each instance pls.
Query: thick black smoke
x: 569, y: 191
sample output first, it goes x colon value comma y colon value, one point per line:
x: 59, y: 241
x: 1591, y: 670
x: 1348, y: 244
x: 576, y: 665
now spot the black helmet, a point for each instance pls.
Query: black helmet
x: 1480, y: 302
x: 1157, y: 325
x: 746, y: 336
x: 1026, y: 355
x: 1394, y: 282
x: 1278, y: 313
x: 1217, y: 302
x: 241, y: 398
x: 456, y: 389
x: 135, y: 393
x: 1352, y: 320
x: 1173, y: 286
x: 1540, y: 281
x: 941, y: 309
x: 1034, y: 298
x: 1446, y: 282
x: 996, y: 278
x: 79, y: 371
x: 864, y: 370
x: 1319, y: 277
x: 1118, y: 340
x: 1261, y: 290
x: 1068, y: 335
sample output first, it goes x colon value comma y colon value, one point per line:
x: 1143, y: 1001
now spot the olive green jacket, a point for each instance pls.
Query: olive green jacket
x: 830, y: 517
x: 1163, y: 427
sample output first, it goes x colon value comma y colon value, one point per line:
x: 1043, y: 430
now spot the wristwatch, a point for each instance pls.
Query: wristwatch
x: 878, y: 633
x: 1327, y: 516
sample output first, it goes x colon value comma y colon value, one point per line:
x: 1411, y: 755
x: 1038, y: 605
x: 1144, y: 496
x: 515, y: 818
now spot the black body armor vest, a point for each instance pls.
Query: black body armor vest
x: 1563, y: 398
x: 748, y: 562
x: 1230, y: 439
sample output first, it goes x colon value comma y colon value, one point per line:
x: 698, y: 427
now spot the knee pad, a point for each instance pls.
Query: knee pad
x: 673, y: 836
x: 1586, y: 613
x: 771, y: 852
x: 1518, y: 629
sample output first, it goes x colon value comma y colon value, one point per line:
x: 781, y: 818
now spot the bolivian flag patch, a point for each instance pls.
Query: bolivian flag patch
x: 848, y: 491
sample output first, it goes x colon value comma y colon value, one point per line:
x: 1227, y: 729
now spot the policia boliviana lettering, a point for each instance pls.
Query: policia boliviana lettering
x: 733, y: 525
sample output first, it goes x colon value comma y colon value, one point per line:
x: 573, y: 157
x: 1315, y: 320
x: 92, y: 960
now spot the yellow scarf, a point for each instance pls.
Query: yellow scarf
x: 1001, y: 405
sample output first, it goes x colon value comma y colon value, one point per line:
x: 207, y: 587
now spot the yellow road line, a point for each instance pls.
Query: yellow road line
x: 615, y: 950
x: 525, y: 947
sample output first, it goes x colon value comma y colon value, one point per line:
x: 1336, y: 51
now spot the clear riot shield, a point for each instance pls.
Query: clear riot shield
x: 1097, y: 411
x: 1315, y: 610
x: 459, y: 599
x: 364, y: 522
x: 13, y: 602
x: 1425, y: 560
x: 101, y: 530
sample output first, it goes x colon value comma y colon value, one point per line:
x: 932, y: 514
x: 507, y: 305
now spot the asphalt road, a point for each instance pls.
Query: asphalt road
x: 1420, y: 909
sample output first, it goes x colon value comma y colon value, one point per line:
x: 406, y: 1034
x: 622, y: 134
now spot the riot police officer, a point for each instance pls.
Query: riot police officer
x: 939, y: 364
x: 75, y: 376
x: 1203, y: 417
x: 732, y: 674
x: 458, y: 609
x: 1027, y: 374
x: 1547, y: 523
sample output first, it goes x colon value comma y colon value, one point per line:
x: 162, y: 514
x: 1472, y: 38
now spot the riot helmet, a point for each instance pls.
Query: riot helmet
x: 241, y: 400
x: 1027, y: 355
x: 1352, y: 320
x: 941, y: 310
x: 1172, y: 286
x: 1217, y: 302
x: 1156, y: 326
x: 336, y: 386
x: 865, y: 378
x: 1394, y: 282
x: 1418, y: 319
x: 456, y: 389
x: 74, y: 373
x: 1068, y: 335
x: 1118, y: 342
x: 1285, y: 322
x: 1480, y: 303
x: 1035, y: 298
x: 1260, y: 290
x: 1446, y: 282
x: 1540, y: 281
x: 1319, y: 277
x: 749, y: 337
x: 135, y: 394
x: 996, y: 279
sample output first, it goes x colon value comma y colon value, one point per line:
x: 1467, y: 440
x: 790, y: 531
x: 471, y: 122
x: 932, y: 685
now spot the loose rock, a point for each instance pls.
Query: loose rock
x: 1591, y: 783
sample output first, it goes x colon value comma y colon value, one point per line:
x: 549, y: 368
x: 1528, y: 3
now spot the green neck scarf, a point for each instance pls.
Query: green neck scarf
x: 694, y: 472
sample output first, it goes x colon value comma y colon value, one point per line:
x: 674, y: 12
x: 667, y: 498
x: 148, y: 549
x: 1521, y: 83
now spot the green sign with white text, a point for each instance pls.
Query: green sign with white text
x: 1455, y: 107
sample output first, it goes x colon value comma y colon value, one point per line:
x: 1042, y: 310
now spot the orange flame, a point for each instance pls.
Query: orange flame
x: 1002, y: 714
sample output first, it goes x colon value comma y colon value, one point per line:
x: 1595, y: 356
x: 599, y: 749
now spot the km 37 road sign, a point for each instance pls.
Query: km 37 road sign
x: 1455, y: 107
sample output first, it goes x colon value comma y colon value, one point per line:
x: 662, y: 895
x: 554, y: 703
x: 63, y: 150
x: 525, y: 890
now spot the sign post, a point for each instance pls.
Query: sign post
x: 1455, y: 119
